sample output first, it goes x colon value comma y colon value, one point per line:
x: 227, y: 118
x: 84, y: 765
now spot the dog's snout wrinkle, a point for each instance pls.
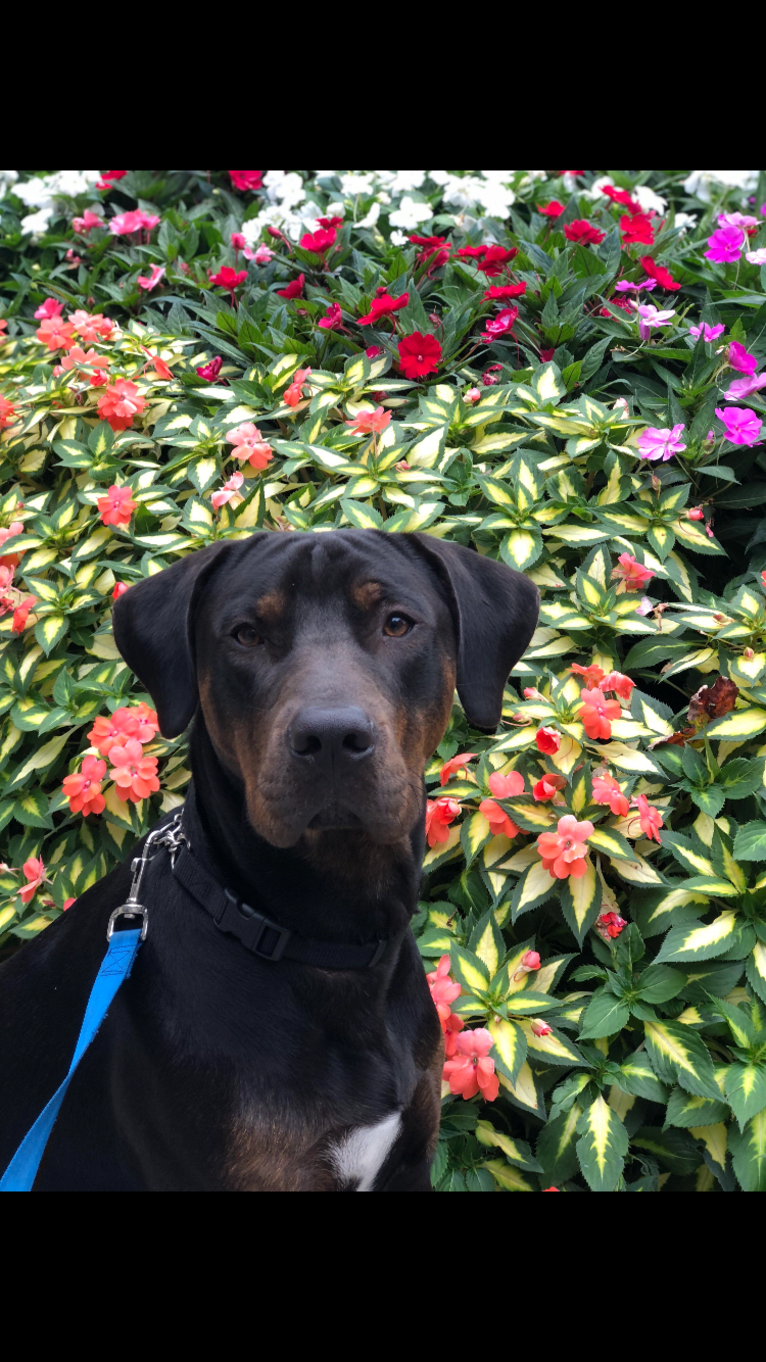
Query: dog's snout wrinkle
x: 332, y: 739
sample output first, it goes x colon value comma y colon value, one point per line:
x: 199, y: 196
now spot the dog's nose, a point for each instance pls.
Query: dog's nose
x: 331, y: 738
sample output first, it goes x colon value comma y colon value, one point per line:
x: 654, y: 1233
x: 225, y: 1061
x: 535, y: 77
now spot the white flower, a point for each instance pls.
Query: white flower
x: 495, y: 199
x: 502, y: 175
x: 439, y: 176
x: 72, y: 182
x: 647, y: 199
x: 383, y: 197
x: 37, y: 222
x: 684, y: 220
x: 398, y: 239
x: 700, y: 181
x: 34, y: 191
x: 334, y: 210
x: 410, y: 214
x: 756, y: 257
x: 405, y: 181
x: 603, y: 182
x: 353, y: 183
x: 7, y: 178
x: 287, y: 189
x: 371, y: 218
x: 569, y: 182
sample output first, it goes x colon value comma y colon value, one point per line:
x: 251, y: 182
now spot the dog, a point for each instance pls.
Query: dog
x: 317, y: 672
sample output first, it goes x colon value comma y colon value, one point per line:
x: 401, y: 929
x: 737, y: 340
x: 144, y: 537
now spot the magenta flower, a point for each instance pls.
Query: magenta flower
x: 711, y: 332
x: 623, y: 286
x: 742, y: 425
x: 649, y: 316
x: 756, y: 257
x: 740, y: 358
x: 660, y: 444
x: 725, y: 244
x: 743, y: 387
x: 333, y: 318
x: 153, y: 280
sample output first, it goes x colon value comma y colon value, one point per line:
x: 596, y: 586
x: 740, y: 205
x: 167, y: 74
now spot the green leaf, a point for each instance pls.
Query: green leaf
x: 581, y: 901
x: 605, y: 1015
x: 745, y: 1088
x: 32, y: 810
x: 471, y: 972
x: 748, y: 1154
x: 660, y: 983
x: 638, y: 1078
x: 534, y: 887
x: 750, y: 842
x: 556, y: 1146
x: 517, y: 1152
x: 695, y: 942
x: 679, y: 1055
x: 510, y: 1047
x: 686, y: 1110
x: 602, y: 1146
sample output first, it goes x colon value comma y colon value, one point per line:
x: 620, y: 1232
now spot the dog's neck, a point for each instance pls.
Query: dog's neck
x: 335, y: 886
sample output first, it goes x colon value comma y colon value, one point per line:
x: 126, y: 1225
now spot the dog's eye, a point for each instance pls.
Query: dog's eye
x: 396, y: 626
x: 247, y: 636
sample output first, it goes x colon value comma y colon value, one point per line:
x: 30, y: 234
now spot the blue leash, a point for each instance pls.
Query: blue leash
x: 122, y: 949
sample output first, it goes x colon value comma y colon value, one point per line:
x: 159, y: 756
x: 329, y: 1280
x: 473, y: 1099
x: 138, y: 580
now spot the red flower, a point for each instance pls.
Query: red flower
x: 664, y: 277
x: 548, y: 740
x: 294, y: 393
x: 593, y: 674
x: 435, y: 248
x: 419, y: 355
x: 88, y: 220
x: 540, y: 1028
x: 10, y: 531
x: 7, y: 412
x: 495, y: 260
x: 116, y: 507
x: 597, y: 713
x: 120, y: 404
x: 610, y: 925
x: 622, y: 197
x: 228, y: 278
x: 294, y: 289
x: 606, y: 790
x: 583, y: 232
x: 439, y: 812
x: 547, y: 355
x: 330, y: 222
x: 637, y: 228
x: 333, y: 318
x: 320, y: 242
x: 34, y: 872
x: 695, y: 513
x: 649, y: 817
x: 83, y: 789
x: 621, y: 685
x: 455, y: 764
x: 505, y: 291
x: 119, y: 590
x: 212, y: 369
x: 50, y: 308
x: 373, y: 351
x: 565, y: 850
x: 247, y: 179
x: 20, y: 614
x: 554, y: 209
x: 500, y: 325
x: 472, y: 1071
x: 548, y: 787
x: 383, y: 307
x: 134, y: 774
x: 161, y: 369
x: 108, y: 178
x: 68, y: 903
x: 472, y: 252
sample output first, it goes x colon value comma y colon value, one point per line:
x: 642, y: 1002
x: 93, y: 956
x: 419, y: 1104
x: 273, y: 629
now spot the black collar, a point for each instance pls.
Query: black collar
x: 259, y: 933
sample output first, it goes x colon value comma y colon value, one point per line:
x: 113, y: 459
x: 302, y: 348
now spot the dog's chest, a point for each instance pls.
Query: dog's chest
x: 265, y: 1156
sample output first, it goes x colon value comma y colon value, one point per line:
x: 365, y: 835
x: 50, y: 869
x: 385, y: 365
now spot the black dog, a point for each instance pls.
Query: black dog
x: 306, y: 1054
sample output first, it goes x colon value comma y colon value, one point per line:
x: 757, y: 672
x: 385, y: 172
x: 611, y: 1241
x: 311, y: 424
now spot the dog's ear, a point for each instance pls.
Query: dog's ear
x: 494, y: 611
x: 152, y: 629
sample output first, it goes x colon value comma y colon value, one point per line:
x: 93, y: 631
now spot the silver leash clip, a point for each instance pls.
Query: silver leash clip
x: 170, y: 838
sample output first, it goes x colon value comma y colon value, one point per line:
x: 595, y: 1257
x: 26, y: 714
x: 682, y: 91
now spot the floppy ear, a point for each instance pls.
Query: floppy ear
x: 152, y: 629
x: 494, y: 611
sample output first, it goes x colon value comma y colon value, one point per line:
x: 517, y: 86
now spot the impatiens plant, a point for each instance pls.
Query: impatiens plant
x: 563, y: 370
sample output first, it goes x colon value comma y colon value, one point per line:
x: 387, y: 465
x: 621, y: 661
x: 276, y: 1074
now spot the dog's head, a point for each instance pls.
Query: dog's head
x: 324, y: 666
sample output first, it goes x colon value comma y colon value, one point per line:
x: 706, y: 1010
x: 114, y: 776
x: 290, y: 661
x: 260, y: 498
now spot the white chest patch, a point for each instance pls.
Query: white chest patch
x: 362, y: 1152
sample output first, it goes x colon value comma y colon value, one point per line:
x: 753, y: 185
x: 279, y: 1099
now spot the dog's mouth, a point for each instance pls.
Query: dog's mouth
x: 334, y: 818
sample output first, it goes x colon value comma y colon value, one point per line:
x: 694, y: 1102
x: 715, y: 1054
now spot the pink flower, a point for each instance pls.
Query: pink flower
x: 473, y: 395
x: 500, y: 325
x: 737, y: 220
x: 262, y: 256
x: 624, y: 286
x: 294, y: 393
x: 743, y: 387
x: 455, y: 764
x: 710, y: 333
x: 444, y: 990
x: 660, y: 444
x: 606, y: 790
x: 646, y: 607
x: 91, y: 328
x: 741, y: 359
x: 134, y: 721
x: 695, y: 513
x: 753, y: 257
x: 619, y: 683
x: 373, y: 351
x: 440, y: 812
x: 631, y: 574
x: 124, y: 224
x: 530, y: 961
x: 238, y: 241
x: 725, y: 244
x: 116, y: 507
x: 134, y: 774
x: 548, y: 740
x: 249, y: 446
x: 294, y: 289
x: 554, y: 209
x: 548, y: 787
x: 742, y: 425
x: 472, y: 1071
x: 247, y: 180
x: 88, y: 220
x: 229, y: 490
x: 333, y: 318
x: 68, y: 903
x: 7, y: 532
x: 505, y: 787
x: 650, y: 316
x: 212, y: 369
x: 153, y: 280
x: 597, y: 714
x: 83, y: 789
x: 34, y: 872
x: 540, y: 1028
x: 564, y: 851
x: 108, y: 177
x: 649, y: 817
x: 7, y: 412
x: 609, y: 925
x: 78, y: 356
x: 50, y: 308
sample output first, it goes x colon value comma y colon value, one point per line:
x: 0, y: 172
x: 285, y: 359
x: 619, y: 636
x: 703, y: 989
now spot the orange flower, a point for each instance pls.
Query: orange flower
x: 7, y: 412
x: 593, y: 674
x: 56, y: 333
x: 20, y: 614
x: 649, y: 817
x: 499, y: 822
x: 6, y: 533
x: 83, y: 788
x: 294, y: 394
x: 455, y: 764
x: 370, y: 422
x: 79, y: 356
x: 606, y: 790
x: 440, y: 812
x: 137, y: 721
x: 34, y: 872
x: 564, y: 851
x: 120, y: 404
x: 116, y: 507
x: 597, y: 713
x: 548, y: 787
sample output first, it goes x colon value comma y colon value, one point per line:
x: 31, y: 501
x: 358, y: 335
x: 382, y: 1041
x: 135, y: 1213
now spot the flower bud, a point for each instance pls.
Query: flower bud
x: 473, y: 395
x: 529, y: 961
x: 540, y: 1028
x: 748, y: 653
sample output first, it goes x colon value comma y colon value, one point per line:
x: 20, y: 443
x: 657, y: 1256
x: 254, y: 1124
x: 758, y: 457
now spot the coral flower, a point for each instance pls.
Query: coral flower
x: 134, y: 774
x: 50, y: 308
x: 249, y: 445
x: 609, y: 925
x: 120, y: 404
x: 597, y: 713
x: 592, y: 674
x: 725, y: 245
x: 440, y: 812
x: 247, y: 180
x: 91, y: 328
x: 370, y: 422
x: 554, y: 209
x: 383, y: 306
x: 15, y: 528
x: 7, y: 412
x: 333, y: 318
x: 34, y: 872
x: 83, y: 789
x: 134, y: 721
x: 444, y: 990
x: 695, y: 513
x: 620, y: 684
x: 320, y: 242
x: 472, y: 1071
x: 564, y: 851
x: 230, y: 489
x: 495, y: 260
x: 548, y: 787
x: 632, y: 575
x: 505, y: 787
x: 649, y: 817
x: 637, y: 228
x: 56, y: 333
x: 294, y: 289
x: 660, y: 444
x: 606, y: 790
x: 455, y: 764
x: 743, y: 426
x: 741, y: 359
x: 419, y: 355
x: 659, y: 273
x: 161, y: 369
x: 499, y: 822
x: 548, y: 740
x: 583, y: 232
x: 452, y: 1025
x: 78, y: 356
x: 294, y: 393
x: 150, y: 282
x: 21, y: 613
x: 116, y: 507
x: 500, y: 291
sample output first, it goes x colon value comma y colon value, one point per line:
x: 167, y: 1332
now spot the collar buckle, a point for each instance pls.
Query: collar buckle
x: 258, y: 933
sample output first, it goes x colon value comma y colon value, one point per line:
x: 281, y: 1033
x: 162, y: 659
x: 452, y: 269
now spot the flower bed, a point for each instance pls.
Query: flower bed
x: 564, y: 370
